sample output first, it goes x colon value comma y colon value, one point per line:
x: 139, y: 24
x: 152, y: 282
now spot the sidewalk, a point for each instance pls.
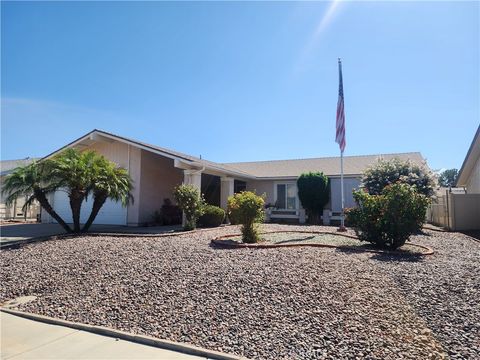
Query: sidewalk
x: 28, y: 339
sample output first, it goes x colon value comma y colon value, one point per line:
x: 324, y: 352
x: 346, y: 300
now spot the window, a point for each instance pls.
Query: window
x: 286, y: 197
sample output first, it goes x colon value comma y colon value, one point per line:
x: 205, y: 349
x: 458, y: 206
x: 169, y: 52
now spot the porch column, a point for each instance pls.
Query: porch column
x: 192, y: 177
x: 226, y: 190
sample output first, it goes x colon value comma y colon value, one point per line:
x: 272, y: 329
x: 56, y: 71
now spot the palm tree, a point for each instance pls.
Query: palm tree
x: 74, y: 171
x: 35, y: 182
x: 109, y: 182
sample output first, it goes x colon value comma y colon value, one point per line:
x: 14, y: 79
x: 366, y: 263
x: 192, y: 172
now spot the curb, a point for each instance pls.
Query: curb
x: 219, y: 241
x: 19, y: 243
x: 139, y: 339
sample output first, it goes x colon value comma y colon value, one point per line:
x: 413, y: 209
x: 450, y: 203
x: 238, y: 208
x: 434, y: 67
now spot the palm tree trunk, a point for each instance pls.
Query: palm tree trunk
x: 76, y: 200
x: 98, y: 201
x: 42, y: 199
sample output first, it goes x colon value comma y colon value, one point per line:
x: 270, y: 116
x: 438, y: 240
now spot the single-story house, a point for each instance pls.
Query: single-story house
x: 156, y: 171
x: 15, y: 210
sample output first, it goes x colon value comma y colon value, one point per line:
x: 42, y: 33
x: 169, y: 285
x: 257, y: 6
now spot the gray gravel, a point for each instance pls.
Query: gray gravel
x: 292, y: 303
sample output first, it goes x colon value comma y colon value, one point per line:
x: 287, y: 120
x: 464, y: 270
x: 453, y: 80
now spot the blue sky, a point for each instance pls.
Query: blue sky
x: 242, y: 81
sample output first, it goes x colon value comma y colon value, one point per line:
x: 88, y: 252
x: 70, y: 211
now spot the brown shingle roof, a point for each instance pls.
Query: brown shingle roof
x: 352, y: 165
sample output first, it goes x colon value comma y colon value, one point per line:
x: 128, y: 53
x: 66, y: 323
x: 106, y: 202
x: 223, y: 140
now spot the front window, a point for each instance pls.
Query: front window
x: 286, y: 197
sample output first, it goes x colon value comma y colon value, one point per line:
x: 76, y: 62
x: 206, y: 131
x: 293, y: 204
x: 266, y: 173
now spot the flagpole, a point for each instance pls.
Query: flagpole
x: 341, y: 142
x: 342, y: 220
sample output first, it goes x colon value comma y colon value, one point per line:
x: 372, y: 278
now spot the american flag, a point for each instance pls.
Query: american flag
x: 340, y: 135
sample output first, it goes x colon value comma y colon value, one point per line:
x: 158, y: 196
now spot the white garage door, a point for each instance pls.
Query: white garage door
x: 111, y: 213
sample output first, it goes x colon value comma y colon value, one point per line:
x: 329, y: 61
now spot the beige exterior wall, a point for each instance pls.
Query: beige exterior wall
x: 134, y: 156
x: 159, y: 177
x: 262, y: 186
x: 114, y: 151
x: 473, y: 184
x: 464, y: 211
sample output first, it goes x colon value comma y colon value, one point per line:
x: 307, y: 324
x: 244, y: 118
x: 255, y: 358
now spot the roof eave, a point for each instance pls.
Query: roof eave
x: 462, y: 174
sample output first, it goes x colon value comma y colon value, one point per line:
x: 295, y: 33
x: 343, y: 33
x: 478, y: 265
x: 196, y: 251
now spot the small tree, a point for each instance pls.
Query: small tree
x: 248, y: 209
x: 388, y: 172
x: 109, y: 182
x: 33, y: 181
x: 314, y: 194
x: 388, y: 219
x: 448, y: 178
x: 191, y: 202
x: 73, y: 171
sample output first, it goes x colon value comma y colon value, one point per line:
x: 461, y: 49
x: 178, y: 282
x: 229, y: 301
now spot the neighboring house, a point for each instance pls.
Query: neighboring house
x: 156, y: 171
x: 15, y: 211
x: 458, y: 208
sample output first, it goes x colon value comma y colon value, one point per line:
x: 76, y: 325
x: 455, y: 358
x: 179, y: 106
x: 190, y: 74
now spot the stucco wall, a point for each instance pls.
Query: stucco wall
x: 473, y: 184
x: 262, y: 186
x: 159, y: 177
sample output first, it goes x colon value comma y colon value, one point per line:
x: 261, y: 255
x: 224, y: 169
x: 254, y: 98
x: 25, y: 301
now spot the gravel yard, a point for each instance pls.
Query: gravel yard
x: 261, y: 303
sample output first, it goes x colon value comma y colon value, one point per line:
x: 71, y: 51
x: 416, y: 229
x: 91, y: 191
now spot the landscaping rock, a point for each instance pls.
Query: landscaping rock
x: 281, y: 303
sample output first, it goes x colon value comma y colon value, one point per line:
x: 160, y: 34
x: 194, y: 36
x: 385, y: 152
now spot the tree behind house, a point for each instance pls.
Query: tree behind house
x: 448, y: 178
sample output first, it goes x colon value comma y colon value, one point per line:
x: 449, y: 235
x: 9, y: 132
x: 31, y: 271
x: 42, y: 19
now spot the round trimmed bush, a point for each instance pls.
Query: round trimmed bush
x: 213, y: 216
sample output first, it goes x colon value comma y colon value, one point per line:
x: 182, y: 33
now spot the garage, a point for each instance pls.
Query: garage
x: 111, y: 213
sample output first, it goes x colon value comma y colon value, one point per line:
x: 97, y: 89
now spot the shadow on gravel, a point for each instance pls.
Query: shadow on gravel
x: 472, y: 233
x: 387, y: 257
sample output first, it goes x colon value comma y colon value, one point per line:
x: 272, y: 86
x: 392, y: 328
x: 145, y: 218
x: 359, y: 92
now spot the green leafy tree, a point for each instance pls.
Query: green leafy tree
x: 73, y: 171
x: 191, y: 201
x: 109, y: 182
x: 314, y: 194
x: 388, y: 172
x: 248, y: 209
x: 33, y: 181
x: 77, y: 173
x: 448, y: 178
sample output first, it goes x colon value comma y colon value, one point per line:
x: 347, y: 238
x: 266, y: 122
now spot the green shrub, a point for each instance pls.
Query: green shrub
x: 314, y: 194
x: 191, y: 202
x: 387, y: 172
x: 213, y: 216
x: 169, y: 214
x: 388, y: 219
x: 248, y: 209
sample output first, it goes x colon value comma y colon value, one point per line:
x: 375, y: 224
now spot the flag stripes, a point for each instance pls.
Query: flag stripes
x: 340, y: 132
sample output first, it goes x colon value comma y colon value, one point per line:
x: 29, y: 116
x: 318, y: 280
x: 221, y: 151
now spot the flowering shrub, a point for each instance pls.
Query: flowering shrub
x: 387, y: 172
x: 390, y: 218
x: 191, y: 202
x: 248, y: 209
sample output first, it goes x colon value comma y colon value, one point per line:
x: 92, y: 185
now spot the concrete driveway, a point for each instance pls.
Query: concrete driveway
x: 18, y: 232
